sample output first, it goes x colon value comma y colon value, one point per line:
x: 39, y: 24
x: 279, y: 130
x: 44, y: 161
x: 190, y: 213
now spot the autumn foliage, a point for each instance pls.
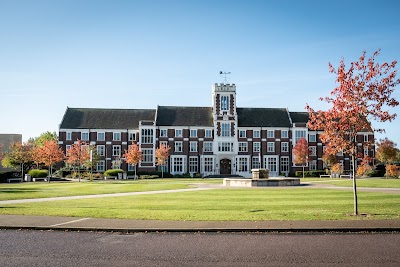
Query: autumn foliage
x: 78, y: 155
x: 392, y: 170
x: 49, y: 154
x: 364, y: 169
x: 301, y: 153
x: 133, y: 155
x: 363, y: 93
x: 386, y: 151
x: 161, y: 155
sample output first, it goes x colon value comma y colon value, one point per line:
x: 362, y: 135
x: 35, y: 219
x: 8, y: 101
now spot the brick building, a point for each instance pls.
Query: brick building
x: 221, y: 139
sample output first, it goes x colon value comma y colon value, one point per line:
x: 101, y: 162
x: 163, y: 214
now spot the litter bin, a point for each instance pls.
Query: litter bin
x: 125, y: 176
x: 119, y: 176
x: 28, y: 178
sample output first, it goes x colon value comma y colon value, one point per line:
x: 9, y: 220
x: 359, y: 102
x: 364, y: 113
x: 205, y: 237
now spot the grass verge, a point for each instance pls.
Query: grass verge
x: 371, y: 182
x: 297, y: 203
x: 59, y: 189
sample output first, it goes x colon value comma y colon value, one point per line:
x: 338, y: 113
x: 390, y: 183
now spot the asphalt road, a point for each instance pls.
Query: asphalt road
x: 54, y: 248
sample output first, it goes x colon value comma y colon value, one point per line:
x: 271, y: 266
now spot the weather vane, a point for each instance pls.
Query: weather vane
x: 224, y: 74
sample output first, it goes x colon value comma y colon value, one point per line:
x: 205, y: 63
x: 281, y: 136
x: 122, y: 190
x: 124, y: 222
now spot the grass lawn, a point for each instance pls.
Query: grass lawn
x: 58, y: 189
x: 297, y: 203
x: 372, y: 182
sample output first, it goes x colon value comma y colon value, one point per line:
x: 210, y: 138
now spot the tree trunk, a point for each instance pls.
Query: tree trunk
x: 22, y: 171
x: 162, y: 172
x: 303, y: 171
x: 354, y: 185
x: 135, y: 173
x: 49, y: 173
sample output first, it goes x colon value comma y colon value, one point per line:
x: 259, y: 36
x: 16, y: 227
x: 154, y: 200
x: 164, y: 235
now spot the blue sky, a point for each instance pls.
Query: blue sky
x: 140, y: 54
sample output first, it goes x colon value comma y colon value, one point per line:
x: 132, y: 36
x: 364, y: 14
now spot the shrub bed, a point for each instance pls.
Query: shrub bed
x: 113, y: 172
x: 310, y: 173
x: 35, y: 173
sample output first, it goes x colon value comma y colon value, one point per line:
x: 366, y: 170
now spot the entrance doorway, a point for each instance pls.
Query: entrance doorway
x: 225, y: 166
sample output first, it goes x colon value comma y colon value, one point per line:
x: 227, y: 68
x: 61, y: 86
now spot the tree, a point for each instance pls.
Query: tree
x: 19, y: 154
x: 301, y: 153
x: 364, y: 169
x: 1, y: 152
x: 77, y: 155
x: 386, y: 152
x: 133, y: 155
x: 363, y: 92
x: 94, y: 158
x: 49, y: 154
x: 46, y: 136
x: 329, y: 159
x: 161, y: 155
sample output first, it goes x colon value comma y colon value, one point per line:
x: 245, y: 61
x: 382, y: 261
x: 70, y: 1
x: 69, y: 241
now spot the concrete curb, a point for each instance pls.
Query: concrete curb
x: 209, y: 230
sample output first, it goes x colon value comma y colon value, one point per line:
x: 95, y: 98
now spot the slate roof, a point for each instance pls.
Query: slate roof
x: 97, y: 118
x: 299, y: 117
x: 184, y: 116
x: 263, y: 117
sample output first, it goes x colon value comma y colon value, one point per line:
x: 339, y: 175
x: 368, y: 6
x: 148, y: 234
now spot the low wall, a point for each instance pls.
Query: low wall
x: 261, y: 182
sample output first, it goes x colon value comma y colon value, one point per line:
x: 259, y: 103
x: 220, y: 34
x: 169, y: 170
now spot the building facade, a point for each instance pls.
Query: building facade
x: 219, y: 140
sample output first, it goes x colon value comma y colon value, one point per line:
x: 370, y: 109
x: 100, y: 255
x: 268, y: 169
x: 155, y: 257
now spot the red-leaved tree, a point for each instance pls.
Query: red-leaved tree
x: 161, y: 155
x: 301, y: 153
x: 363, y: 93
x: 49, y: 154
x: 78, y: 155
x: 133, y: 155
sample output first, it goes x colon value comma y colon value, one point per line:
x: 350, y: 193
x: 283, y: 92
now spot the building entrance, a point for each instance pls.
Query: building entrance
x: 225, y: 166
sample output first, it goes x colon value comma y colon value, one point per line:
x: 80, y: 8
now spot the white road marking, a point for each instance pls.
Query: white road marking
x: 69, y: 222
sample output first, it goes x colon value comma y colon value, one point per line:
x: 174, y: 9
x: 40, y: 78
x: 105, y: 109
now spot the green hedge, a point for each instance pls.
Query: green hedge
x: 113, y: 172
x: 35, y: 173
x: 158, y: 173
x: 12, y: 174
x: 310, y: 173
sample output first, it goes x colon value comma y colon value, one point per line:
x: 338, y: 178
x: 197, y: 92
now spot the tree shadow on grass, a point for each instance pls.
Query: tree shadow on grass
x: 19, y: 190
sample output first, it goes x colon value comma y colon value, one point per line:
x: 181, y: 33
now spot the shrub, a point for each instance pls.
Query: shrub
x: 148, y: 177
x: 310, y: 173
x: 337, y: 168
x: 113, y: 172
x: 364, y: 170
x: 35, y: 173
x: 392, y: 171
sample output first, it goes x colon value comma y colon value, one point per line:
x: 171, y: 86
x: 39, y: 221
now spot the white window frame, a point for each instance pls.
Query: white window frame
x: 313, y: 151
x: 313, y: 165
x: 312, y: 138
x: 147, y: 155
x: 101, y: 150
x: 285, y: 164
x: 193, y: 165
x: 178, y: 146
x: 271, y: 163
x: 255, y: 162
x: 116, y: 136
x: 99, y: 134
x: 298, y: 134
x: 270, y: 146
x: 208, y: 133
x: 242, y: 146
x: 68, y: 136
x: 131, y: 167
x: 284, y: 134
x: 256, y: 134
x: 178, y: 133
x: 178, y: 164
x: 284, y: 146
x: 193, y: 132
x: 243, y: 164
x: 208, y: 163
x: 208, y: 147
x: 224, y: 103
x: 83, y: 138
x: 165, y: 143
x: 225, y: 146
x: 100, y: 166
x: 366, y: 151
x: 242, y: 133
x: 116, y: 150
x: 225, y: 129
x: 193, y: 146
x: 147, y: 136
x: 365, y: 137
x: 256, y: 146
x: 132, y: 136
x: 163, y: 133
x: 270, y: 134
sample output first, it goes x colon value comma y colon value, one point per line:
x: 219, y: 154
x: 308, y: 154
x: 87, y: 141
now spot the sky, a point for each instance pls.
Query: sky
x: 139, y: 54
